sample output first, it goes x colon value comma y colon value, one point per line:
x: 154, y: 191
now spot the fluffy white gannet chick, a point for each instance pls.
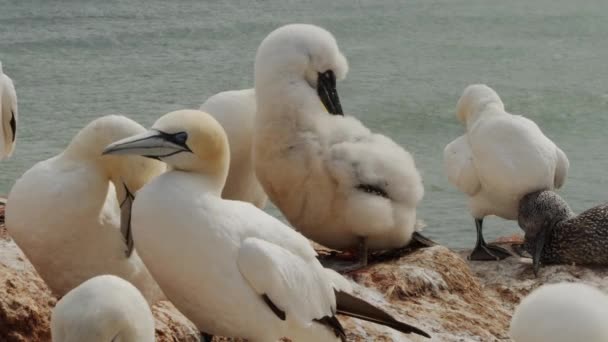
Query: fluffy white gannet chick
x: 8, y: 115
x: 563, y: 312
x: 228, y: 266
x: 499, y: 159
x: 105, y: 308
x: 335, y: 181
x: 64, y: 212
x: 235, y: 111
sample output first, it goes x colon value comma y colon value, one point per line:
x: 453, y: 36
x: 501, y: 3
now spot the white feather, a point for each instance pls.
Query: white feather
x: 216, y: 258
x: 501, y: 158
x: 311, y: 163
x: 235, y: 111
x: 64, y: 212
x: 103, y: 309
x: 563, y: 312
x: 8, y: 111
x: 294, y: 284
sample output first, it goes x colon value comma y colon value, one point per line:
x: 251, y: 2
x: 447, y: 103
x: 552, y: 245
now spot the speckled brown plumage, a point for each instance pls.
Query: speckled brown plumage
x: 580, y: 240
x: 571, y: 239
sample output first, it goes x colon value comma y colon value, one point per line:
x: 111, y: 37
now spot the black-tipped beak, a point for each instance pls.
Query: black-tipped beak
x: 152, y: 144
x: 538, y: 249
x: 326, y: 88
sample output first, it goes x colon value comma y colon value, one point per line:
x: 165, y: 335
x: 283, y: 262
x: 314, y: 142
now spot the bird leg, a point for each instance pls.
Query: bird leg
x: 339, y: 263
x: 206, y: 337
x: 483, y: 251
x: 420, y: 241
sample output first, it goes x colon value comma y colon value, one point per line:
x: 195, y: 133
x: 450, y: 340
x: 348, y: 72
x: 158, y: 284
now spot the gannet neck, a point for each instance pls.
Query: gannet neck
x: 287, y: 67
x: 132, y: 172
x: 189, y: 141
x: 478, y: 100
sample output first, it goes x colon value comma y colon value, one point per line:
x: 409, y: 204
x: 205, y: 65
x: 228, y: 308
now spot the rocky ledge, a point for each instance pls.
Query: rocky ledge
x: 435, y: 288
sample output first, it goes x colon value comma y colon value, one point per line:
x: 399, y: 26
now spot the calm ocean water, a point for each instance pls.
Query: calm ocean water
x: 72, y: 61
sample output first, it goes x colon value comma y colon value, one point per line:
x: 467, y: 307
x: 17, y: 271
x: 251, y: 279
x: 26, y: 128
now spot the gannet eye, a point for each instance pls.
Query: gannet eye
x: 180, y: 138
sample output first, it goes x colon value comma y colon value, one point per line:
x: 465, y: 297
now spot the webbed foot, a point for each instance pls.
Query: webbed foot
x: 484, y: 252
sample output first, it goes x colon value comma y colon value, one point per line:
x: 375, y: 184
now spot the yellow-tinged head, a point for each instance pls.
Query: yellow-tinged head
x: 187, y: 140
x: 87, y: 145
x: 474, y: 99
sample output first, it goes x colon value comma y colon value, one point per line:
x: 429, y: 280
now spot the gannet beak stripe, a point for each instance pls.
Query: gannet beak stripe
x: 326, y: 88
x: 125, y: 220
x: 13, y: 124
x: 152, y: 144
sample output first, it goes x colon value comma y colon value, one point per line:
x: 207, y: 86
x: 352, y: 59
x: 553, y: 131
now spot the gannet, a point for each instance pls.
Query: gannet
x: 556, y: 235
x: 228, y: 266
x: 564, y: 312
x: 235, y: 111
x: 105, y: 308
x: 8, y: 115
x: 64, y: 212
x: 499, y: 159
x: 334, y: 180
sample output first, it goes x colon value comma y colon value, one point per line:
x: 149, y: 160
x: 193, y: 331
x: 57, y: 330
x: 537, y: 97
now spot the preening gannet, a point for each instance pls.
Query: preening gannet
x: 564, y: 312
x: 235, y: 111
x: 335, y: 181
x: 228, y: 266
x: 105, y: 308
x: 499, y: 159
x: 8, y: 115
x: 64, y: 212
x: 556, y: 235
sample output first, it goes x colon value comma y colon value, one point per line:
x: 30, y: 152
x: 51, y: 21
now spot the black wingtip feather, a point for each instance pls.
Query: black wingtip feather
x: 333, y: 324
x: 280, y: 313
x: 352, y: 306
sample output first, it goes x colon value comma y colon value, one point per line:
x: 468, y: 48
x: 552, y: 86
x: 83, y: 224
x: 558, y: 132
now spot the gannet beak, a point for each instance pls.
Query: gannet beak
x: 326, y: 89
x: 152, y: 144
x: 538, y: 249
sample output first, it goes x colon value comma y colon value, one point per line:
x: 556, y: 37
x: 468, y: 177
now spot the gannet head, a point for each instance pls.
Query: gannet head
x: 561, y: 312
x: 301, y: 53
x: 474, y: 99
x: 187, y: 140
x: 103, y: 309
x: 539, y: 212
x: 10, y: 113
x: 133, y: 172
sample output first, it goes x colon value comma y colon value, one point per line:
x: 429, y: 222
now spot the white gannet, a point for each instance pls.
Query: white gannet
x: 335, y: 181
x: 228, y: 266
x: 235, y: 111
x: 64, y: 212
x: 8, y: 115
x: 499, y: 159
x: 105, y: 308
x: 564, y: 312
